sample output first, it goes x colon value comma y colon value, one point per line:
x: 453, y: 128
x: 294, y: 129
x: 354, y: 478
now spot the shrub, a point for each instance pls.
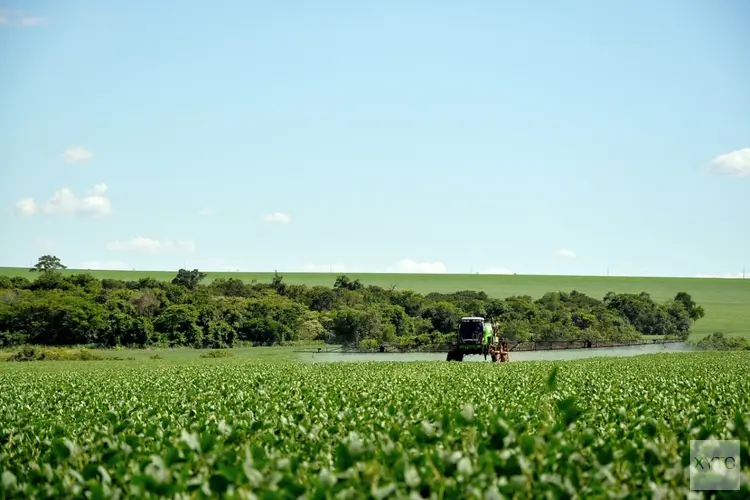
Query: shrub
x: 31, y: 353
x: 216, y: 354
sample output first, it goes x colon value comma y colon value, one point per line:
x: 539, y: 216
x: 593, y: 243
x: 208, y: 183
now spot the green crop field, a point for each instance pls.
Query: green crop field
x: 597, y: 428
x: 726, y: 301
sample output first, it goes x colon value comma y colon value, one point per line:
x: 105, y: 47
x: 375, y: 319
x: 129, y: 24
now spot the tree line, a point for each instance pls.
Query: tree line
x: 54, y: 309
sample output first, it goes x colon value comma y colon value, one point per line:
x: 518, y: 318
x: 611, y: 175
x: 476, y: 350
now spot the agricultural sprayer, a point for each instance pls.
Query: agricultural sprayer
x: 478, y: 336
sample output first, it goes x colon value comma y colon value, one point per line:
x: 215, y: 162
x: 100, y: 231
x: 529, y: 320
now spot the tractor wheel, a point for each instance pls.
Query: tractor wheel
x: 455, y: 355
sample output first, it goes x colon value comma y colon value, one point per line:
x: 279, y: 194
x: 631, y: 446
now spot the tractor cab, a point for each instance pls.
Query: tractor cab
x: 473, y: 330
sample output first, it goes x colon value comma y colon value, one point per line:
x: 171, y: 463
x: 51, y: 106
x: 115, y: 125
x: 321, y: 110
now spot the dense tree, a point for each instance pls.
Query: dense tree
x: 444, y: 315
x: 189, y: 279
x: 231, y: 287
x: 320, y: 298
x: 264, y: 331
x: 346, y: 283
x: 178, y: 324
x: 80, y: 309
x: 351, y: 325
x: 277, y: 283
x: 718, y: 341
x: 695, y: 311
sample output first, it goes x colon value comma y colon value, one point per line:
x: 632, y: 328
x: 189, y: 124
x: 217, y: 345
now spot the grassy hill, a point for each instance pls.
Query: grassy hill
x: 727, y: 301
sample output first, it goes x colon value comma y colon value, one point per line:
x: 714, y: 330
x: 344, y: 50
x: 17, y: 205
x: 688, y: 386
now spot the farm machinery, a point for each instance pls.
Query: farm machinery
x: 478, y: 336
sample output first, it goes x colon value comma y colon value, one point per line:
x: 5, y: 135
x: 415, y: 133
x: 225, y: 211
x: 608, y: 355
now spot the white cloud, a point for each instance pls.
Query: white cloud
x: 3, y: 19
x: 732, y: 164
x: 107, y: 265
x: 328, y: 268
x: 206, y: 212
x: 26, y: 206
x: 568, y: 254
x: 277, y: 217
x: 496, y: 270
x: 139, y: 244
x: 95, y: 203
x: 410, y: 266
x: 77, y: 154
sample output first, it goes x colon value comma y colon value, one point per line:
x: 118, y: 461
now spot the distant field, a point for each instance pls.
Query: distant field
x: 727, y: 301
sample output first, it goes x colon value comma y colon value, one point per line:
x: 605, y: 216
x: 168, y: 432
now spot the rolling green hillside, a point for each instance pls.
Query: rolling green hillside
x: 727, y: 301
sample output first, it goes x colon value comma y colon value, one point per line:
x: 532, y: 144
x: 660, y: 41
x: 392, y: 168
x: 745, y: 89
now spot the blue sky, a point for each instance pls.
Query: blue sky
x: 545, y: 138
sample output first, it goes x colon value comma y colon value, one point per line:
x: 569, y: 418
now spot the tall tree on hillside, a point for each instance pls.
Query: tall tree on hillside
x: 695, y: 311
x: 346, y: 283
x: 47, y: 263
x: 189, y: 279
x: 277, y: 283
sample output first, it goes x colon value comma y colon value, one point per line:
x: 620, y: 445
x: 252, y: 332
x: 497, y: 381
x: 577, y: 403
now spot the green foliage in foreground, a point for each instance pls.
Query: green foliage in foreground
x: 599, y: 428
x: 79, y: 309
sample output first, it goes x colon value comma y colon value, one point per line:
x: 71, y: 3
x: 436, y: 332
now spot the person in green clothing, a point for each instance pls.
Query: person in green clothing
x: 488, y: 334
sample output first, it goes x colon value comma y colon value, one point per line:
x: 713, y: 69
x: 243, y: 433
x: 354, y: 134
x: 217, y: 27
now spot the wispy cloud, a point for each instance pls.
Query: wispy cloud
x: 139, y: 244
x: 277, y: 218
x: 220, y: 265
x: 727, y: 276
x: 32, y: 21
x: 20, y: 18
x: 564, y: 252
x: 45, y: 243
x: 77, y: 154
x: 410, y: 266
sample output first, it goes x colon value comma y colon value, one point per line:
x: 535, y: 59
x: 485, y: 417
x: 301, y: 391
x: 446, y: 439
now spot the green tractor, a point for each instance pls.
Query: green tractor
x: 477, y: 336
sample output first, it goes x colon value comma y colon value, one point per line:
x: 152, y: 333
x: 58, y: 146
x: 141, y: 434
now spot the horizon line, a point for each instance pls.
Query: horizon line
x: 739, y: 276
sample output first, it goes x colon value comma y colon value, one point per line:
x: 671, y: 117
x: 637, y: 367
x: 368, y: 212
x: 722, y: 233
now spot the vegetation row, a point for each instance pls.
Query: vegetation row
x: 53, y: 309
